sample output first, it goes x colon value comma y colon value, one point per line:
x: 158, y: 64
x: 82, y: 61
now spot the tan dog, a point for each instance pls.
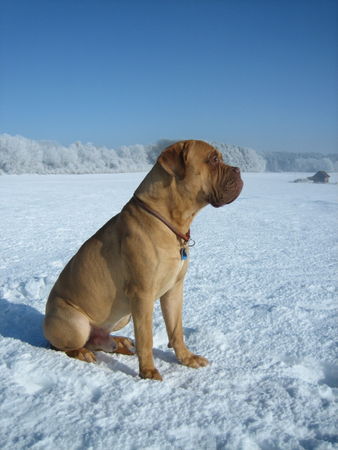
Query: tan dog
x: 140, y: 255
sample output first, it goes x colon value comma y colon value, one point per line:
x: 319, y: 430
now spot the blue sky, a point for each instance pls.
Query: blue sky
x: 258, y: 73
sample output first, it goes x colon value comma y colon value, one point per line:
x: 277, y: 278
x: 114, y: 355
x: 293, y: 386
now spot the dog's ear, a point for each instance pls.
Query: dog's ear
x: 173, y: 159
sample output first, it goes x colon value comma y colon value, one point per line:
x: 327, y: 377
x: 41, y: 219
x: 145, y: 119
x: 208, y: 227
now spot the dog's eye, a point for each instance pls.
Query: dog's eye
x: 214, y: 159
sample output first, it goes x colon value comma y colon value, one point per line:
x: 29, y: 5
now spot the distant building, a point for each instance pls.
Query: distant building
x: 320, y: 177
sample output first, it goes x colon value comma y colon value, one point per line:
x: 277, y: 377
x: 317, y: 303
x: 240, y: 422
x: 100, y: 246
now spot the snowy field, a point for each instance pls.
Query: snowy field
x: 260, y: 304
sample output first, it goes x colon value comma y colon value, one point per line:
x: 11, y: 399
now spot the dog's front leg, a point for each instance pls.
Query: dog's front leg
x: 172, y: 304
x: 142, y: 312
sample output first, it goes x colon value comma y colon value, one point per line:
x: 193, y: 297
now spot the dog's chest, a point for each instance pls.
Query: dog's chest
x: 170, y: 270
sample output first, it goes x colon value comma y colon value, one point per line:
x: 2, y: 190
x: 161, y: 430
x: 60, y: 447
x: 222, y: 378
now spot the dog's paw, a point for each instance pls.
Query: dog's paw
x: 124, y: 345
x: 194, y: 361
x: 83, y: 354
x: 152, y: 374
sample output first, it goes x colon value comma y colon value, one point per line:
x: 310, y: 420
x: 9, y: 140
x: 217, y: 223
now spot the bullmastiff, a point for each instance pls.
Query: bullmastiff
x: 138, y: 256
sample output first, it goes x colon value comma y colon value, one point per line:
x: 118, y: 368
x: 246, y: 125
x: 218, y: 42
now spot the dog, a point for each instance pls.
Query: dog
x: 138, y: 256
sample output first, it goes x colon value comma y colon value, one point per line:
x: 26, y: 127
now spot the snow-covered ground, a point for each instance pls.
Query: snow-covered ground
x: 260, y: 304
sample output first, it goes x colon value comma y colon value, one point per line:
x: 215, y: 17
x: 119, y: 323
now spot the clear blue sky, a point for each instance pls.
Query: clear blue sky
x: 258, y: 73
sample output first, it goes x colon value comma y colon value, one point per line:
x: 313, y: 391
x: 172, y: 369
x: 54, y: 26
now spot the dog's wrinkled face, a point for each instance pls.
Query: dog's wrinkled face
x: 226, y: 182
x: 200, y: 170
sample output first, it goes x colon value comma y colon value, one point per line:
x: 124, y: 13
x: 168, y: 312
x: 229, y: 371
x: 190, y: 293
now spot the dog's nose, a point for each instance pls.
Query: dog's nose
x: 236, y: 169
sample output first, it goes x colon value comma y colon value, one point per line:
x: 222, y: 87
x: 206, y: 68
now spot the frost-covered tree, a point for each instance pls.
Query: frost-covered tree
x: 22, y: 155
x: 246, y: 159
x: 299, y: 162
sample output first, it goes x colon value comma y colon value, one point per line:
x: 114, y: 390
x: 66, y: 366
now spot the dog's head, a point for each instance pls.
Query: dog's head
x: 199, y: 170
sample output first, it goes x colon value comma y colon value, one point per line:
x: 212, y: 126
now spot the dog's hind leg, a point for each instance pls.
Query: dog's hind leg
x: 68, y: 330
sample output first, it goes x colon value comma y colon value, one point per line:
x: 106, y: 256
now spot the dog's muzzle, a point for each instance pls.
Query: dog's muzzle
x: 229, y: 189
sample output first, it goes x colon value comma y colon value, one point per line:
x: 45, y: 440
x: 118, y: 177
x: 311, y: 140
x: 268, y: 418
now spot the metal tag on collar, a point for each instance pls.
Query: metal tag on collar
x: 183, y: 253
x: 191, y: 243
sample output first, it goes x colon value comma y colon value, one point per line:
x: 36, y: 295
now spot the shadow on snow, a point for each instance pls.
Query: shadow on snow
x: 23, y: 322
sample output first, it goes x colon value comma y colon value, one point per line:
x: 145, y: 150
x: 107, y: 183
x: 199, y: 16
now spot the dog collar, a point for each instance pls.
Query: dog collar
x: 184, y: 237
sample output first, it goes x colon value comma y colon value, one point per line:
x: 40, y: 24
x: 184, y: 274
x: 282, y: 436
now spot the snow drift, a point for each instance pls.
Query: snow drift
x: 20, y: 155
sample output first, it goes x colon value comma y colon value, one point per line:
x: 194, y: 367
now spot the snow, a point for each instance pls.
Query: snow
x: 260, y: 304
x: 19, y: 155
